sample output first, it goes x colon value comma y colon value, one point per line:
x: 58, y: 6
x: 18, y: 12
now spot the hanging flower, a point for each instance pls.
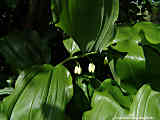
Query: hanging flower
x: 91, y: 67
x: 78, y: 70
x: 105, y: 60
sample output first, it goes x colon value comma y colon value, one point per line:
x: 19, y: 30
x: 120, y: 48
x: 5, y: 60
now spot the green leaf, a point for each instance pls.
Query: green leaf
x: 71, y: 46
x: 108, y: 103
x: 133, y: 64
x: 40, y: 93
x: 26, y: 48
x: 6, y: 91
x: 83, y: 91
x: 151, y: 31
x: 3, y: 117
x: 140, y: 64
x: 87, y: 84
x: 89, y: 22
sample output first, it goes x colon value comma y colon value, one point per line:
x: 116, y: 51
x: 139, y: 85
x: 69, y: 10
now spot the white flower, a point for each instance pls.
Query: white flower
x: 105, y: 60
x: 9, y: 81
x: 91, y: 67
x: 78, y: 70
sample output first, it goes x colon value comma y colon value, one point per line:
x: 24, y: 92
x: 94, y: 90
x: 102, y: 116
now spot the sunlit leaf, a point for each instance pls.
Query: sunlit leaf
x: 109, y: 103
x: 140, y: 64
x: 131, y: 67
x: 6, y: 91
x: 40, y: 93
x: 71, y: 46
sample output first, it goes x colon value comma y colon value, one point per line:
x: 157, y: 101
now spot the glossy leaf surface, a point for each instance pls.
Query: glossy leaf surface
x: 109, y: 103
x: 6, y: 91
x: 71, y: 46
x: 41, y: 93
x: 89, y: 22
x: 140, y: 64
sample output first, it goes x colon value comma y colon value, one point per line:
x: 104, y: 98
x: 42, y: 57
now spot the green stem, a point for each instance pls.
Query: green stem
x: 76, y: 57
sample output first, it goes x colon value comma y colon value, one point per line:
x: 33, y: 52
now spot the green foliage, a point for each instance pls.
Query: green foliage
x: 92, y: 26
x: 27, y: 46
x: 141, y: 44
x: 109, y: 102
x: 6, y: 91
x: 41, y: 92
x: 88, y: 69
x: 71, y: 46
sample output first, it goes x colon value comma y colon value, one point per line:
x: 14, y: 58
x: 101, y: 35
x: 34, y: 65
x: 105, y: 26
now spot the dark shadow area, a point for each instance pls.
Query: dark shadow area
x: 78, y: 104
x: 152, y: 56
x: 58, y: 51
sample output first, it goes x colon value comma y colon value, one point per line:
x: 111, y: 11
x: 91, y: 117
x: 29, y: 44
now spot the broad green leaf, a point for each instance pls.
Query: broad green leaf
x: 89, y: 22
x: 40, y: 93
x: 3, y: 117
x: 108, y: 104
x: 151, y: 31
x: 131, y: 67
x: 71, y: 46
x: 26, y: 48
x: 141, y: 63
